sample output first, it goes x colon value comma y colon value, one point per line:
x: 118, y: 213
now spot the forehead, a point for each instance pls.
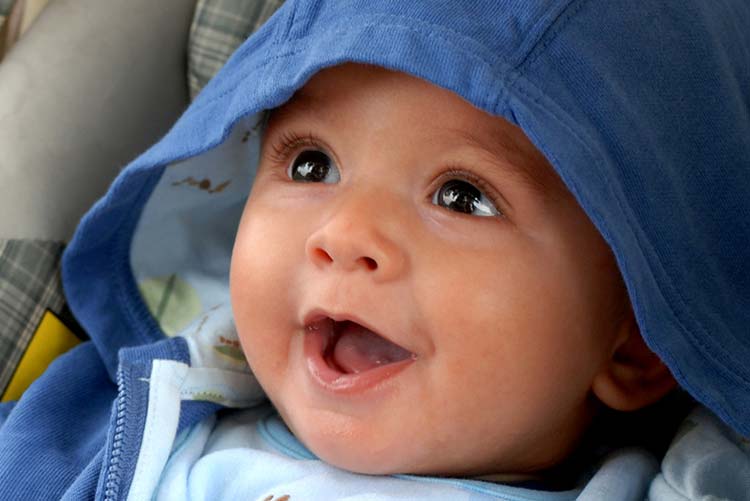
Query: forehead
x: 418, y: 107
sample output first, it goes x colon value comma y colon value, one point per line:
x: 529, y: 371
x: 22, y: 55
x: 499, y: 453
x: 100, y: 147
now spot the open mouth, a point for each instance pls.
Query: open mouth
x: 351, y: 348
x: 347, y: 358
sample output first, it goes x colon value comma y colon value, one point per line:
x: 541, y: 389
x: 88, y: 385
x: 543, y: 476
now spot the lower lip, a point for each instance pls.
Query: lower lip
x: 339, y: 382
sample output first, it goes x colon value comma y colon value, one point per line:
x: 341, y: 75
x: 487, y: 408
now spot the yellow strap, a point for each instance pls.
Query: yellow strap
x: 51, y: 339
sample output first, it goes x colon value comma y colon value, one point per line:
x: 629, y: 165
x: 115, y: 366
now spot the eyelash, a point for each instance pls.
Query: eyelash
x: 290, y: 142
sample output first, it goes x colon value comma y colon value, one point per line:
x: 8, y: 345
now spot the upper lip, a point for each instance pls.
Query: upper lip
x: 318, y: 313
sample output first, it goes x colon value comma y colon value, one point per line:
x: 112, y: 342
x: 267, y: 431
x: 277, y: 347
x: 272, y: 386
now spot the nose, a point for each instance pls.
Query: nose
x: 358, y: 237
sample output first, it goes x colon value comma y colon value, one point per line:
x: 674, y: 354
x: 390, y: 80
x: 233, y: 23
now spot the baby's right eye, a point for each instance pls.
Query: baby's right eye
x: 313, y: 166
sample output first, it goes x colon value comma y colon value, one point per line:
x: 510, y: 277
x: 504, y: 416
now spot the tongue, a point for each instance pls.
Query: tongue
x: 359, y: 349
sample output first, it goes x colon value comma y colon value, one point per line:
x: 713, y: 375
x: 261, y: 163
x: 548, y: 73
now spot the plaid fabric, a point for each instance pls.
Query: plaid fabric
x: 29, y: 285
x: 219, y: 27
x: 5, y: 6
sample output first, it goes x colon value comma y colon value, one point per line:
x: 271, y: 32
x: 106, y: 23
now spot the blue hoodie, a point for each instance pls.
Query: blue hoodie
x: 642, y: 108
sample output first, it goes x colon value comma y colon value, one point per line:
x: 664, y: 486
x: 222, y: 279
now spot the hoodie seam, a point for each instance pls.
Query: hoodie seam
x: 284, y: 33
x: 135, y: 310
x: 551, y: 33
x: 553, y: 27
x: 505, y: 66
x: 433, y: 30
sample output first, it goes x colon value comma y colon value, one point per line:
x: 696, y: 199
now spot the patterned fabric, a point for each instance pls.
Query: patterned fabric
x: 219, y: 27
x: 29, y: 285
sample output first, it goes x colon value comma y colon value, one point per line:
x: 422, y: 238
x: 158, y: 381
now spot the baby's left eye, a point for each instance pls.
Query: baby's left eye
x: 462, y: 196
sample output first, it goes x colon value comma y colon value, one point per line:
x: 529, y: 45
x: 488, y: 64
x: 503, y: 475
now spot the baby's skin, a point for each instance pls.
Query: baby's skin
x: 418, y: 292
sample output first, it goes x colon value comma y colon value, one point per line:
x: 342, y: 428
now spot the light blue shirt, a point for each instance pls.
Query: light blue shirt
x: 250, y: 454
x: 706, y: 460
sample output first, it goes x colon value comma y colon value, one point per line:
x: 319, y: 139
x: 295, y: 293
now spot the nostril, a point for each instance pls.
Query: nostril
x: 322, y: 255
x: 369, y: 263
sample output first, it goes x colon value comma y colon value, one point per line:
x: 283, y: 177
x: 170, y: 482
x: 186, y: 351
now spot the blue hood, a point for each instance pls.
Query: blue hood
x: 643, y: 109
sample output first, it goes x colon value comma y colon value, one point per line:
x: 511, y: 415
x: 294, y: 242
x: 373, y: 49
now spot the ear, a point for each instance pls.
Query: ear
x: 634, y: 376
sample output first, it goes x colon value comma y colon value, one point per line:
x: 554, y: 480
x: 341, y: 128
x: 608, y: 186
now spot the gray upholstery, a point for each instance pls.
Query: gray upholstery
x: 92, y: 84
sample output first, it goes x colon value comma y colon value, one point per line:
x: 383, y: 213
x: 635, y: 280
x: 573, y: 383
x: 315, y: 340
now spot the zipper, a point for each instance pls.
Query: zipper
x: 113, y: 479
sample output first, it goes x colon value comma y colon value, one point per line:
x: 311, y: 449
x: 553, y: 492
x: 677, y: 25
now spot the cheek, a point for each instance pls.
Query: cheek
x: 508, y: 326
x: 264, y: 261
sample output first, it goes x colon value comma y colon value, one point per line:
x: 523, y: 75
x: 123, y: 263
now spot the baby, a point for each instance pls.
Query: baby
x: 478, y: 236
x: 428, y: 296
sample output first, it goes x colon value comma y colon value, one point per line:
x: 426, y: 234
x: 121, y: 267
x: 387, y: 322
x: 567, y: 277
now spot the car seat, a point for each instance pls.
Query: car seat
x: 90, y: 86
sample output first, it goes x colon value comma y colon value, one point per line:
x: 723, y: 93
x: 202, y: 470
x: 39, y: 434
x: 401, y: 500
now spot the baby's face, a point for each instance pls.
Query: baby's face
x: 414, y: 287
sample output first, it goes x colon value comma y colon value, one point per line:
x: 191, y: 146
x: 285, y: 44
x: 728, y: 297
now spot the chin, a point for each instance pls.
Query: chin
x: 362, y: 463
x: 339, y: 441
x: 344, y: 451
x: 371, y: 457
x: 354, y: 455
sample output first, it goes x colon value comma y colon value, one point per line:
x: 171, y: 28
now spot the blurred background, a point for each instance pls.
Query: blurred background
x: 85, y: 87
x: 15, y: 18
